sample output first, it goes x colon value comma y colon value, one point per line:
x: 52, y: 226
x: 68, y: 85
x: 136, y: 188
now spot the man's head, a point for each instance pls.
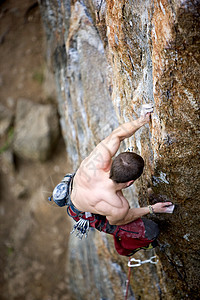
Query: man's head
x: 127, y: 166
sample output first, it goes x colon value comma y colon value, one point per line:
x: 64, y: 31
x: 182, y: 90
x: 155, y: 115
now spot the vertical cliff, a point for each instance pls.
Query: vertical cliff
x: 109, y: 57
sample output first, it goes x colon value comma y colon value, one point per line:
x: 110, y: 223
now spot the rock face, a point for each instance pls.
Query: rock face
x: 36, y: 130
x: 123, y: 54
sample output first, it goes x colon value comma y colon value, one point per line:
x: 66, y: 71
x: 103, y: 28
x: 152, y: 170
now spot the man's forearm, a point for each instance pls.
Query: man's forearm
x: 132, y: 215
x: 110, y: 145
x: 135, y: 213
x: 126, y: 130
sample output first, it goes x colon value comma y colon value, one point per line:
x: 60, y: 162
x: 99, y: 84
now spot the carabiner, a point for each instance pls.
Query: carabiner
x: 138, y: 262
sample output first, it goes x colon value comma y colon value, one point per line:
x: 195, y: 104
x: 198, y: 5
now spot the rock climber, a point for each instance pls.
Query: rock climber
x: 96, y: 195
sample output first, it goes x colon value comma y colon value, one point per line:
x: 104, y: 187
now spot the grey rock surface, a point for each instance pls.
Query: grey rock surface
x: 36, y: 130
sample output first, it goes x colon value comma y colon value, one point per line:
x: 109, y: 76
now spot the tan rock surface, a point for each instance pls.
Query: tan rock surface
x: 125, y: 54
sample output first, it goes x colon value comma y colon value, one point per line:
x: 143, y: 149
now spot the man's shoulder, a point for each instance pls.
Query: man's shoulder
x: 100, y: 158
x: 92, y: 171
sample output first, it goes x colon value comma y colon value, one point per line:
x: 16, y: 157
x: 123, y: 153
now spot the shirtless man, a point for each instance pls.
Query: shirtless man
x: 97, y: 191
x: 94, y: 195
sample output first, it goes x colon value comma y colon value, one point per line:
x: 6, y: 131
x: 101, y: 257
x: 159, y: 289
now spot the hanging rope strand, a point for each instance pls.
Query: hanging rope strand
x: 128, y: 282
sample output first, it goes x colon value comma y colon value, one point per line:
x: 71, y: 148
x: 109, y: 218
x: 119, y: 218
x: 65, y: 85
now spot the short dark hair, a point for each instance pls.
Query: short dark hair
x: 126, y: 166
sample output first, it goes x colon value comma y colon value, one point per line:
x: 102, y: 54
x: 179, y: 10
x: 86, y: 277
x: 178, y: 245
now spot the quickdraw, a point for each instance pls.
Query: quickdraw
x: 137, y: 263
x: 82, y: 228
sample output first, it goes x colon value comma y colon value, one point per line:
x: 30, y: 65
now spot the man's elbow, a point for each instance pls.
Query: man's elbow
x: 113, y: 222
x: 116, y: 220
x: 119, y: 216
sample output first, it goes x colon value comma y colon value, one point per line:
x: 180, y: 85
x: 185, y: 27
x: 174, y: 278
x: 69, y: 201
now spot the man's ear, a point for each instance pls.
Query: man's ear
x: 129, y: 183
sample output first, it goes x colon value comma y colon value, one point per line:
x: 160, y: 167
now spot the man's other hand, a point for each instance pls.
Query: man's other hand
x: 163, y: 207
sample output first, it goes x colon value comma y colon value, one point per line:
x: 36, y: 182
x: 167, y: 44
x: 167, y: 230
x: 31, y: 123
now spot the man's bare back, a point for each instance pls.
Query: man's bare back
x: 95, y: 192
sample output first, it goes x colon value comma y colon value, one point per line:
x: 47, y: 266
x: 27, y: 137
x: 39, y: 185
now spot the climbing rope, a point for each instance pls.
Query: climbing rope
x: 128, y: 281
x: 137, y: 263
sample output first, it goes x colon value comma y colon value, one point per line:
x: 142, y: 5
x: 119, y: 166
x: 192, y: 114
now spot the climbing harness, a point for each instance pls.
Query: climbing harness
x: 137, y: 263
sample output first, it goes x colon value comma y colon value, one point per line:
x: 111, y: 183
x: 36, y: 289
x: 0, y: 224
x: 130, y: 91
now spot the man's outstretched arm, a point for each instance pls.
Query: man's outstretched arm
x: 126, y: 130
x: 110, y: 145
x: 133, y: 214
